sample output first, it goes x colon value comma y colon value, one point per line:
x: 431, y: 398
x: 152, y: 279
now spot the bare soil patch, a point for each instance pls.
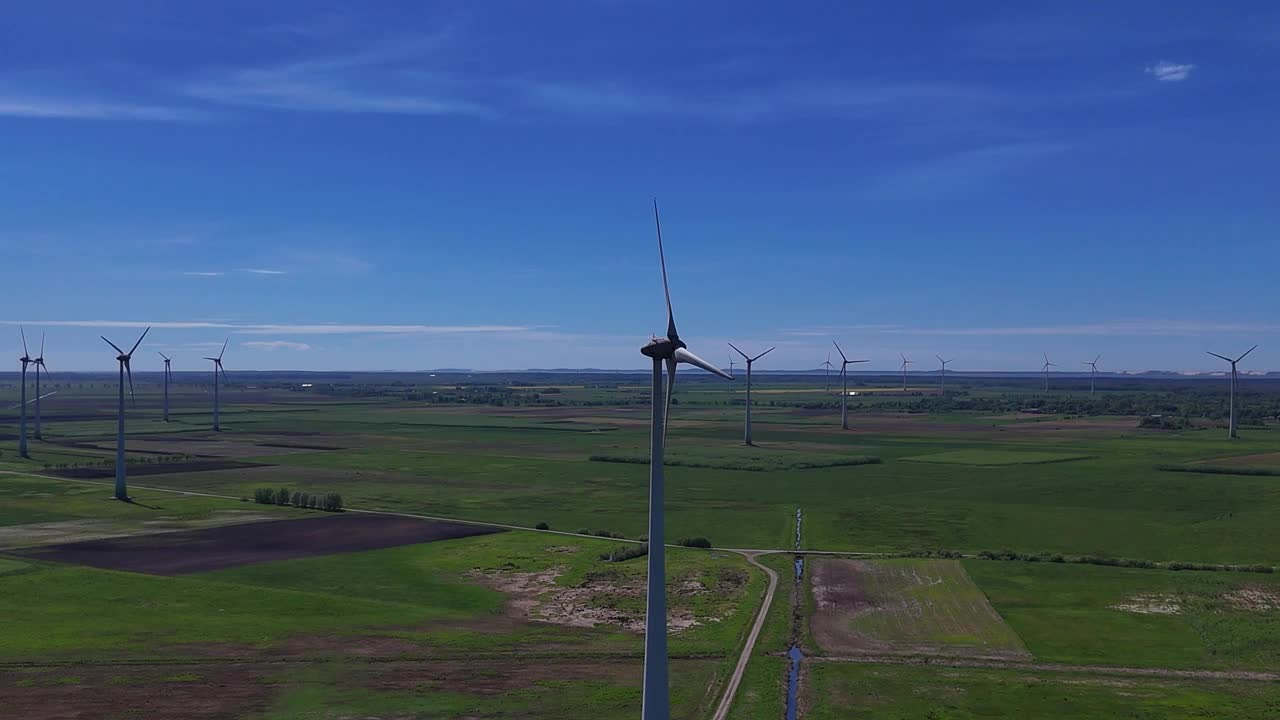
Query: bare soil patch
x: 66, y: 531
x: 179, y: 553
x: 1254, y: 599
x: 537, y: 596
x: 197, y: 692
x: 1151, y: 604
x: 155, y: 469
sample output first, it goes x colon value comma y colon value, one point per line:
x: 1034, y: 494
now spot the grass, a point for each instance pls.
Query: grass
x: 746, y: 460
x: 902, y: 692
x: 1066, y: 613
x: 995, y: 458
x: 1221, y: 470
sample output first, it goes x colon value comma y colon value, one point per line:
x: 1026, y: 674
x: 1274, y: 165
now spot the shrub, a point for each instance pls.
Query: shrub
x: 542, y: 526
x: 296, y: 500
x: 696, y: 542
x: 264, y: 496
x: 331, y: 502
x: 608, y: 534
x: 624, y: 553
x: 314, y: 502
x: 282, y: 496
x: 583, y: 531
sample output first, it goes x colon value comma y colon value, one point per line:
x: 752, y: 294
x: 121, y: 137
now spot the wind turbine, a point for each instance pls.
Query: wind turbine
x: 217, y: 365
x: 1093, y: 371
x: 1231, y: 423
x: 1045, y: 370
x: 845, y: 362
x: 122, y: 490
x: 39, y: 363
x: 168, y: 374
x: 731, y: 361
x: 671, y: 350
x: 944, y: 372
x: 22, y: 424
x: 826, y: 373
x: 746, y: 437
x: 905, y: 363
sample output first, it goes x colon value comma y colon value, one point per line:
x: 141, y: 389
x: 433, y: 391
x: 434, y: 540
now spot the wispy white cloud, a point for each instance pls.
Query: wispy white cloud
x: 283, y: 329
x: 1136, y: 328
x: 964, y: 168
x: 273, y: 345
x: 1170, y: 72
x: 88, y: 108
x: 261, y: 271
x: 203, y: 274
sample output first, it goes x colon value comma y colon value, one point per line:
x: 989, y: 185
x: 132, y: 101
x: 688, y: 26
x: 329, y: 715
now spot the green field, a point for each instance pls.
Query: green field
x: 533, y: 624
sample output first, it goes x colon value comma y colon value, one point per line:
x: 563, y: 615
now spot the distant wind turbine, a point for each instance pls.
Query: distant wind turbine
x: 40, y: 366
x: 731, y: 360
x: 671, y: 350
x: 217, y: 366
x: 168, y: 374
x: 22, y: 423
x: 826, y: 373
x: 845, y: 362
x: 122, y: 489
x: 1045, y: 370
x: 944, y: 372
x: 1231, y: 423
x: 905, y: 363
x: 746, y: 434
x: 1093, y: 372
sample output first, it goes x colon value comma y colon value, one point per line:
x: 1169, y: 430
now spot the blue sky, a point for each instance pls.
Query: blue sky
x: 413, y: 185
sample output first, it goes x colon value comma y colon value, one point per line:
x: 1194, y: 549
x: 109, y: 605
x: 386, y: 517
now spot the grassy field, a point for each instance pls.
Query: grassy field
x: 531, y: 624
x: 905, y: 693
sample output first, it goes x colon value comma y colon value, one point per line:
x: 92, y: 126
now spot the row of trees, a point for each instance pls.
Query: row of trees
x: 329, y: 502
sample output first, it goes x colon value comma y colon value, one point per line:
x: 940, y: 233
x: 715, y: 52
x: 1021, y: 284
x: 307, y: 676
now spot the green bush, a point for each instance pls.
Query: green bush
x: 296, y: 500
x: 695, y: 542
x: 542, y: 526
x: 331, y: 502
x: 626, y: 552
x: 608, y: 534
x: 282, y: 496
x: 264, y: 496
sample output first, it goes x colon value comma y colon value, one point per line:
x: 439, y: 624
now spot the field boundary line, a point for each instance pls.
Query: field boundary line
x: 993, y: 664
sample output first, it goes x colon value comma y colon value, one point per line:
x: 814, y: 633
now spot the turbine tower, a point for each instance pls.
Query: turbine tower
x: 217, y: 365
x: 746, y: 436
x: 1045, y: 370
x: 39, y: 363
x: 905, y: 363
x: 844, y: 385
x: 944, y: 372
x: 168, y: 374
x: 1093, y: 372
x: 826, y: 373
x: 1231, y: 423
x: 22, y: 424
x: 671, y: 350
x: 122, y: 490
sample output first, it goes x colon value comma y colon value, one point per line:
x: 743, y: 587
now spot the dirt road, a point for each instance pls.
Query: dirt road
x: 731, y: 686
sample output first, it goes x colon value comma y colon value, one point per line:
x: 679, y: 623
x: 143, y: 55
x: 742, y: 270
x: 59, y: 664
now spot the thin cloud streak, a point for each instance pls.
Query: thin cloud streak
x: 1152, y: 328
x: 273, y: 345
x: 86, y: 108
x: 253, y: 329
x: 1170, y: 72
x: 261, y: 271
x: 204, y: 274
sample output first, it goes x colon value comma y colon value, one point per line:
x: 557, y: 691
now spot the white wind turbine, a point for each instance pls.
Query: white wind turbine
x: 217, y: 366
x: 22, y: 423
x: 1045, y: 370
x: 845, y: 362
x: 1093, y: 372
x: 168, y: 375
x: 1231, y: 422
x: 40, y: 367
x: 826, y: 373
x: 668, y: 351
x: 905, y: 363
x: 746, y: 435
x: 122, y: 490
x: 944, y: 372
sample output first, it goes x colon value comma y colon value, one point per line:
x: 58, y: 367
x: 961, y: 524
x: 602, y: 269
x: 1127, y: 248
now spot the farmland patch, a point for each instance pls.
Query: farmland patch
x: 996, y: 457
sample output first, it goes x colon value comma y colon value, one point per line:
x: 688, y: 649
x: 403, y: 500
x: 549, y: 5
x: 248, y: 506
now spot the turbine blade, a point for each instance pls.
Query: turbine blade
x: 735, y: 347
x: 684, y: 356
x: 42, y: 346
x: 666, y: 289
x: 1221, y: 357
x: 1255, y: 347
x: 671, y: 389
x: 1095, y: 360
x: 857, y: 361
x: 104, y: 338
x: 842, y: 357
x: 225, y: 379
x: 224, y: 347
x: 24, y: 341
x: 129, y: 372
x: 766, y: 352
x: 135, y: 345
x: 944, y: 362
x: 166, y: 358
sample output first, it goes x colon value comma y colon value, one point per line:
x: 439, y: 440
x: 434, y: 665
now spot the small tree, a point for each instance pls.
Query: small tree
x: 264, y: 496
x: 542, y: 526
x: 314, y: 502
x: 296, y: 501
x: 282, y: 496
